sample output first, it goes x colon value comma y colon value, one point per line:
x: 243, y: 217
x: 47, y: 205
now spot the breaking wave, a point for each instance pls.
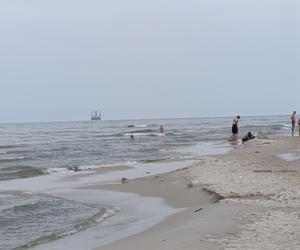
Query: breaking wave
x: 138, y: 126
x: 17, y: 172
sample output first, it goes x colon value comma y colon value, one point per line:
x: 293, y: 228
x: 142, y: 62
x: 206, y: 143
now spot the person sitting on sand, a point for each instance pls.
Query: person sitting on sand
x: 235, y: 128
x: 293, y: 121
x: 248, y: 136
x: 161, y: 129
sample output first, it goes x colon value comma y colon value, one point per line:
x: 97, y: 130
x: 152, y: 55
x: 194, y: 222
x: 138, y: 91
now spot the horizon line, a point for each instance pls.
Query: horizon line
x: 133, y: 119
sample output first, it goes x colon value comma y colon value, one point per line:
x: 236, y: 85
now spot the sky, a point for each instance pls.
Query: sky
x: 60, y: 59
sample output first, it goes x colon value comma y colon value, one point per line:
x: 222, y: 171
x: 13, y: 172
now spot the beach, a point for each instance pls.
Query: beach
x: 150, y: 125
x: 189, y: 188
x: 246, y: 199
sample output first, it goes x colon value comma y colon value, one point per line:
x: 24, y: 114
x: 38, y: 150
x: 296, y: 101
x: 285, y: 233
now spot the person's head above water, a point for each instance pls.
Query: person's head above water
x: 161, y: 129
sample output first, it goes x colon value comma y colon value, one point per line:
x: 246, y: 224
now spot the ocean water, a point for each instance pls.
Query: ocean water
x: 27, y: 220
x: 33, y: 149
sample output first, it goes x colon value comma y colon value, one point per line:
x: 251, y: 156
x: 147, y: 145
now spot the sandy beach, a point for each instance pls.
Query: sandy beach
x: 246, y: 199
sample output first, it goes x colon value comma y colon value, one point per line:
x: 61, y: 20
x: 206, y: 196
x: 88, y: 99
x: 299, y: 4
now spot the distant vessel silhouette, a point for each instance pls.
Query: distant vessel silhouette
x: 95, y: 116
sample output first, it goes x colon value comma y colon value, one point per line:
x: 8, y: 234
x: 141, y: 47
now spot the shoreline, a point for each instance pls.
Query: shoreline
x: 235, y: 200
x: 71, y: 185
x: 258, y: 195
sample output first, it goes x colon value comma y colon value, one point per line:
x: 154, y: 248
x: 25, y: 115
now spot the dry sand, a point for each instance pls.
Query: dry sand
x: 247, y: 199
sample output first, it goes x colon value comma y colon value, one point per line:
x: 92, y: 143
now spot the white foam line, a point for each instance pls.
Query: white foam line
x: 48, y: 183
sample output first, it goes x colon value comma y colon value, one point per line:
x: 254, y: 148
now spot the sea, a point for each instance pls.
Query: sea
x: 31, y: 150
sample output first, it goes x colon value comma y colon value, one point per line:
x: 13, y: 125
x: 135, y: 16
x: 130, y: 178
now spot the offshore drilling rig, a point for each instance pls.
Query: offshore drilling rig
x: 96, y: 116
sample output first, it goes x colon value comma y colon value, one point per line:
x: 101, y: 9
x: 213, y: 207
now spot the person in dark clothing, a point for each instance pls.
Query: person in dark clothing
x: 235, y: 129
x: 248, y: 136
x: 293, y: 121
x: 131, y: 138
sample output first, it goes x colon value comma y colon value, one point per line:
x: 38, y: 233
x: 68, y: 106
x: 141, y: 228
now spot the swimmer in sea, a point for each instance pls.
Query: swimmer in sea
x: 131, y: 138
x: 161, y: 129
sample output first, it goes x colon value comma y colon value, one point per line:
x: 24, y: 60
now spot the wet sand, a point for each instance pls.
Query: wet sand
x: 246, y: 199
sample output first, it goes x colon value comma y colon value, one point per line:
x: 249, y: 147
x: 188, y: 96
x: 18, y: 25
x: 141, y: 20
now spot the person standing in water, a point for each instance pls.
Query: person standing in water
x: 235, y: 128
x: 293, y: 121
x: 161, y: 129
x: 131, y: 138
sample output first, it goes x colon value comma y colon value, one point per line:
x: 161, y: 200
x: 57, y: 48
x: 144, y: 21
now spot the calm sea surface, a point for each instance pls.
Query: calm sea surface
x: 32, y: 149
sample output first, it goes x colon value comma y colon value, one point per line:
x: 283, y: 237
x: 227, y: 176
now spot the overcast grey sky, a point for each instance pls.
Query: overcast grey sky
x: 144, y: 59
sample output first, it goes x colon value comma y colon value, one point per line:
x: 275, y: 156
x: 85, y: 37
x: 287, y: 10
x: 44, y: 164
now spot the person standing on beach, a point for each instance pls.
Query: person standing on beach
x: 235, y: 129
x: 299, y: 125
x: 293, y: 121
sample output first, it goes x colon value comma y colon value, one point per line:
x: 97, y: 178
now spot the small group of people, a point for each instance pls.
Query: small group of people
x: 161, y: 130
x: 235, y: 131
x: 249, y: 135
x: 293, y: 121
